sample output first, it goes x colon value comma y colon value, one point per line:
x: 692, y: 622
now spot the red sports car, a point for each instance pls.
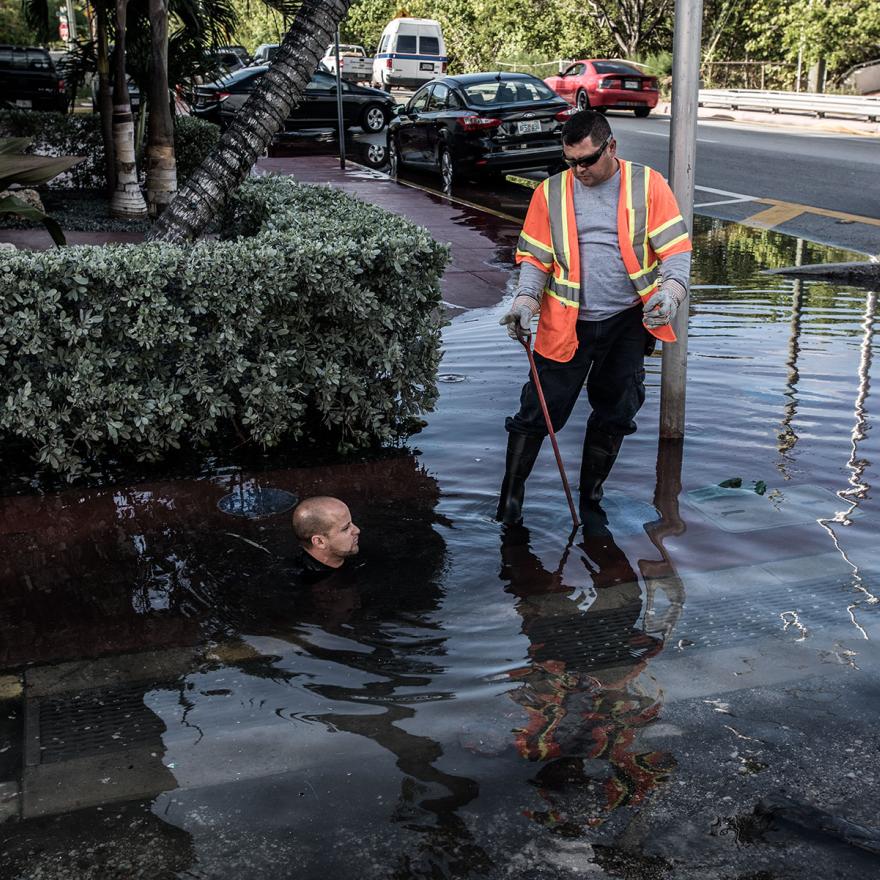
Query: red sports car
x: 603, y: 85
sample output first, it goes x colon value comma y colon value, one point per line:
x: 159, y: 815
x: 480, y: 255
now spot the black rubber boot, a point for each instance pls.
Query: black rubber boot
x: 600, y: 453
x: 522, y: 450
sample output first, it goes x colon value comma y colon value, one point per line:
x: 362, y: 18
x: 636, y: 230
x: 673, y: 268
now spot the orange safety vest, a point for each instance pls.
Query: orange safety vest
x: 649, y: 228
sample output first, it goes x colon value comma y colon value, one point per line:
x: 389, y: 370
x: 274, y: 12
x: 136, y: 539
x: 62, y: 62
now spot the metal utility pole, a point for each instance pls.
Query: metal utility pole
x: 339, y: 115
x: 71, y: 24
x: 682, y: 161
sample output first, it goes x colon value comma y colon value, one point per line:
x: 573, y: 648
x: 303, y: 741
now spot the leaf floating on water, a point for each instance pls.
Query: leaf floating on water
x: 760, y: 487
x: 732, y: 483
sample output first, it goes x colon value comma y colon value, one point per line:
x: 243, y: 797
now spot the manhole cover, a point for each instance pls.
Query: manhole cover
x: 451, y: 377
x: 251, y: 501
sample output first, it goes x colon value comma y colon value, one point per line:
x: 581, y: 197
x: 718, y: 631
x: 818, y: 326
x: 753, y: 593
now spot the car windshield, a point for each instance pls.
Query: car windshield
x: 616, y: 67
x: 516, y: 91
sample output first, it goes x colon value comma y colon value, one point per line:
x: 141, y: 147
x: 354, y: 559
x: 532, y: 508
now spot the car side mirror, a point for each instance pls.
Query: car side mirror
x: 399, y: 110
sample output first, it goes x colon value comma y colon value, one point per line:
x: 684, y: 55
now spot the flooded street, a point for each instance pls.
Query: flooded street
x: 688, y: 691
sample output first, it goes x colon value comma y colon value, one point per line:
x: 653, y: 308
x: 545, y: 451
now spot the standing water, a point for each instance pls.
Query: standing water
x: 688, y: 690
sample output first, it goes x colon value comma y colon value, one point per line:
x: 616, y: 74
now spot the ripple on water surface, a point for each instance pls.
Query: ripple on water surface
x: 462, y: 695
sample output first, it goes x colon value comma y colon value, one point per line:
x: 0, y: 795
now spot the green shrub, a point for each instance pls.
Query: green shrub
x: 55, y: 134
x: 193, y: 139
x: 322, y: 322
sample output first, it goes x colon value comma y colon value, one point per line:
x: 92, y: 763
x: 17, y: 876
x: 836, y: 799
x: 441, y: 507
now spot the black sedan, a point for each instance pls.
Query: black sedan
x: 369, y: 108
x: 479, y: 122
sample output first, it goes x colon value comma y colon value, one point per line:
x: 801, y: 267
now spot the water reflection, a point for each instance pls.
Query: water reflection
x: 859, y: 487
x: 583, y: 691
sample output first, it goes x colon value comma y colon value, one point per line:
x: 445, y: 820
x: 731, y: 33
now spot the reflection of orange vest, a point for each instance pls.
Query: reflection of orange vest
x: 649, y: 227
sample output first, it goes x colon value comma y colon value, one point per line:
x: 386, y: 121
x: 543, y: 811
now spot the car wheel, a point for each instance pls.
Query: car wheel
x: 447, y: 169
x: 393, y: 159
x: 374, y: 155
x: 582, y: 102
x: 374, y: 118
x: 642, y: 112
x: 386, y: 87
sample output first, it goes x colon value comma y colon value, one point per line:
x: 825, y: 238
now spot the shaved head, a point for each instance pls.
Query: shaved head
x: 314, y: 516
x: 324, y: 528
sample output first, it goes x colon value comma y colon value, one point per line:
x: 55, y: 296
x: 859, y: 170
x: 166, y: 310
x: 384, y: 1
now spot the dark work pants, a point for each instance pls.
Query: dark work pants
x: 610, y: 357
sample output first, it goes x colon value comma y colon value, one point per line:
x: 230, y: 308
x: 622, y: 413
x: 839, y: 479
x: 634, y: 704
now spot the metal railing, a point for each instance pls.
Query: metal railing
x: 809, y: 103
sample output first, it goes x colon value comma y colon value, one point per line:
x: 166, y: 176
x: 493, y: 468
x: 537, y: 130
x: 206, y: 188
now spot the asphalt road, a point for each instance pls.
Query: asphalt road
x: 819, y: 169
x: 802, y: 181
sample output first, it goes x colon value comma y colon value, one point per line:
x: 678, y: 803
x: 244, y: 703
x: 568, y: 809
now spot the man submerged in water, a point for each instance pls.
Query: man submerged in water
x: 326, y: 535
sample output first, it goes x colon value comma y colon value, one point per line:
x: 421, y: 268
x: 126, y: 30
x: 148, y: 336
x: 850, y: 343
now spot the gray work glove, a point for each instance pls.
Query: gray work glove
x: 662, y: 307
x: 519, y: 318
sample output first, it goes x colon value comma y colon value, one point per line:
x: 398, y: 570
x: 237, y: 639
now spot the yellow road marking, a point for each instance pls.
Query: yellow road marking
x: 825, y: 212
x: 774, y: 215
x: 10, y: 687
x: 523, y: 181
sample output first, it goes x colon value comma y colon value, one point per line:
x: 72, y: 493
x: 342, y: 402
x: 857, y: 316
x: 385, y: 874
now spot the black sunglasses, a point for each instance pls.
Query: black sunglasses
x: 587, y: 161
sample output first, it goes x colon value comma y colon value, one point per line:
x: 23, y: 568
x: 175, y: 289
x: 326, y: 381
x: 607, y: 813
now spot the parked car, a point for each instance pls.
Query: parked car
x: 134, y: 93
x: 411, y: 52
x: 369, y: 108
x: 479, y: 122
x: 225, y: 60
x: 603, y: 85
x: 242, y: 53
x: 28, y: 79
x: 264, y: 54
x: 353, y: 61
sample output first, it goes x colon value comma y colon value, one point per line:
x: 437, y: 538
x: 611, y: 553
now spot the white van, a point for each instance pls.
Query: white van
x: 411, y: 52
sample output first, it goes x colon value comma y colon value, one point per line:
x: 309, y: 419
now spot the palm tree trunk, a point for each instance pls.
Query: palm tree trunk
x: 105, y: 97
x: 161, y: 166
x: 127, y: 201
x: 205, y: 193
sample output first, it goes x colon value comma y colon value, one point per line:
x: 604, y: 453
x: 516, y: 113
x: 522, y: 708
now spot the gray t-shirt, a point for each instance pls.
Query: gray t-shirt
x: 606, y: 288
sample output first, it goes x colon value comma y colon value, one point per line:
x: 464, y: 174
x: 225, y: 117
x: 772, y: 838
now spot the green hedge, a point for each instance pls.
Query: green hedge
x: 80, y: 135
x: 193, y: 140
x: 320, y: 318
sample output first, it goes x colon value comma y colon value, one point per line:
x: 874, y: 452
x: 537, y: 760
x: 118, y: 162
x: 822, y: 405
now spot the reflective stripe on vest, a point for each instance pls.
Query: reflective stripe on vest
x: 644, y: 279
x: 668, y: 234
x: 528, y: 246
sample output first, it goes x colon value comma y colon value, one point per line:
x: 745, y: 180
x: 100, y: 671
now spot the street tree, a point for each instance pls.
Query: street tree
x: 638, y: 26
x: 202, y: 197
x: 161, y: 166
x: 127, y: 199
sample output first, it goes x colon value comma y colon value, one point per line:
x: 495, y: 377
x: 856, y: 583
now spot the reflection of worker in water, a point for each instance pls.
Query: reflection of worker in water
x: 583, y: 704
x: 326, y: 535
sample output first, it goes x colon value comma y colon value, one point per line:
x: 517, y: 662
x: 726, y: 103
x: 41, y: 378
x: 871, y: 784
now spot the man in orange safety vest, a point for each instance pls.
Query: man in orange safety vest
x: 604, y: 256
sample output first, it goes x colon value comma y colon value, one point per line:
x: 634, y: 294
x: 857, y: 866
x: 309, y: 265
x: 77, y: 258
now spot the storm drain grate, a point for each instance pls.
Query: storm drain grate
x: 90, y: 723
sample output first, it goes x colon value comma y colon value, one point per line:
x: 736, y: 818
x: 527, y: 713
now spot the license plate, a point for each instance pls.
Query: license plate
x: 426, y: 65
x: 631, y: 84
x: 23, y: 102
x: 529, y: 126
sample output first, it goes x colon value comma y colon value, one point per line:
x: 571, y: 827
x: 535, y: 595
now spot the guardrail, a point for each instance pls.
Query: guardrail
x: 810, y: 103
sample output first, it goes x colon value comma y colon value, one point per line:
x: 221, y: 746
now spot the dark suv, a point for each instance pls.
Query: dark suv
x: 28, y: 79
